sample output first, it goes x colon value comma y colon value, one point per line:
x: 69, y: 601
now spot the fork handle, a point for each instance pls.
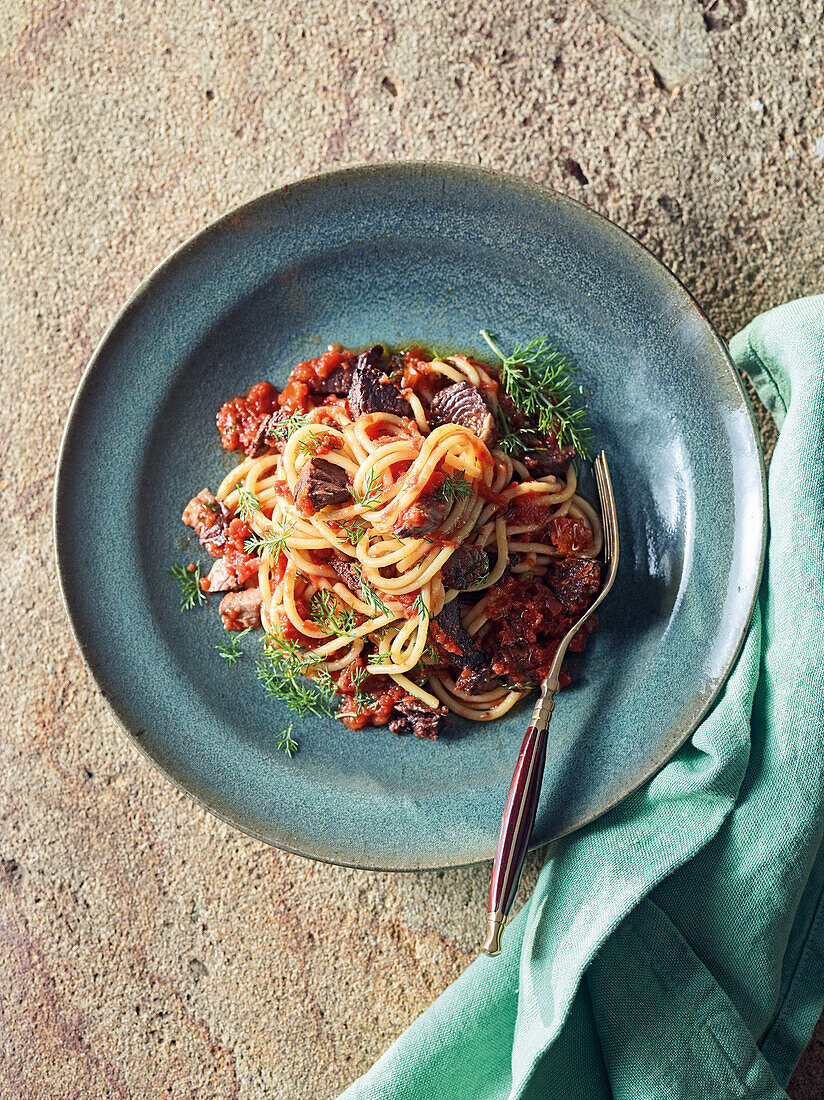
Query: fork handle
x: 518, y: 822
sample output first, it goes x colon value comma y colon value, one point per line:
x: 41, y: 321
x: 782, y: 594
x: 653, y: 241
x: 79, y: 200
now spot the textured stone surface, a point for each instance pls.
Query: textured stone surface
x: 146, y: 949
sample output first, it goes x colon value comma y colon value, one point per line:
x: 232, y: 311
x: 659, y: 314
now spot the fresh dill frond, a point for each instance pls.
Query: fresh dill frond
x: 420, y: 606
x: 455, y: 487
x: 323, y: 681
x: 363, y: 699
x: 312, y: 443
x: 282, y: 429
x: 230, y: 650
x: 358, y: 701
x: 372, y: 491
x: 538, y: 379
x: 324, y: 611
x: 269, y: 545
x: 247, y: 504
x: 287, y: 654
x: 281, y: 673
x: 191, y: 594
x: 352, y: 530
x: 286, y: 742
x: 284, y: 686
x: 430, y: 653
x: 379, y: 659
x: 368, y: 593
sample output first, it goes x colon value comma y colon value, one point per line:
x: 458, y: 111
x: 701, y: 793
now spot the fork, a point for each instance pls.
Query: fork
x: 522, y: 801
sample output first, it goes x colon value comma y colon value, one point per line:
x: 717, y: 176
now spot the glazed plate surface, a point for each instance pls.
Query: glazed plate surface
x: 403, y: 254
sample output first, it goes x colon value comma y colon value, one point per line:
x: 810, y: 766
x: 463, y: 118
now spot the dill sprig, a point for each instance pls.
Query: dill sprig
x: 269, y: 545
x: 420, y: 606
x: 372, y: 492
x: 286, y: 742
x: 282, y: 429
x: 538, y: 379
x: 322, y: 679
x: 324, y: 611
x: 368, y: 593
x: 191, y: 594
x: 230, y: 651
x: 351, y: 530
x: 312, y: 443
x: 281, y: 673
x: 455, y: 487
x: 359, y: 700
x: 247, y: 503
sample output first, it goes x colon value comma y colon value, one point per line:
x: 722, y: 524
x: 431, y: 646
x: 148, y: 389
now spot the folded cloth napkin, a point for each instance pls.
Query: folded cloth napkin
x: 675, y: 947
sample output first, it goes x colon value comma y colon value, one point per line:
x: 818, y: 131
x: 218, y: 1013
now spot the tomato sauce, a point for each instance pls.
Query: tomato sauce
x: 527, y: 621
x: 571, y: 535
x: 239, y: 419
x: 295, y: 396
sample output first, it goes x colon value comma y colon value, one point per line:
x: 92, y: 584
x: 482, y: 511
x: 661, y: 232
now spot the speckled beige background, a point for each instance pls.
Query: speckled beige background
x: 147, y: 949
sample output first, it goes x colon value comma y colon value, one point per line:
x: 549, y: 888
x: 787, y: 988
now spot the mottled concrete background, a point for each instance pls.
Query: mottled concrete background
x: 147, y: 949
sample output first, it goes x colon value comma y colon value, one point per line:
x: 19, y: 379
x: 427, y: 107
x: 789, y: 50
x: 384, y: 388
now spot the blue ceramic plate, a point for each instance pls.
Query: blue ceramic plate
x: 402, y: 254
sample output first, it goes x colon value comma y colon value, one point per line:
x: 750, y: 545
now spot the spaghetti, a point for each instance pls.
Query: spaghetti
x: 403, y: 559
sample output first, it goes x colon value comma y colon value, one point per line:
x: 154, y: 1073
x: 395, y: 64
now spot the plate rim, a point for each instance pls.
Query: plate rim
x: 264, y: 199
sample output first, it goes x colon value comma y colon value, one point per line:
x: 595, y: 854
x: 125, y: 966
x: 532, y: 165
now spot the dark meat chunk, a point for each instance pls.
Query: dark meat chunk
x: 337, y: 382
x: 210, y: 518
x: 463, y: 404
x: 549, y: 460
x: 410, y: 715
x: 575, y: 582
x: 476, y: 682
x: 466, y: 566
x: 261, y: 443
x: 371, y: 390
x: 319, y: 484
x: 348, y: 574
x: 240, y: 610
x: 449, y: 635
x: 421, y: 518
x: 222, y: 578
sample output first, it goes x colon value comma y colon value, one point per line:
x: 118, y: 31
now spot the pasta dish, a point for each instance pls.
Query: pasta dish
x: 406, y: 530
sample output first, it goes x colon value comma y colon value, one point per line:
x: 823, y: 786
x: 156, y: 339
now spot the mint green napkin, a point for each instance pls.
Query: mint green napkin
x: 675, y: 948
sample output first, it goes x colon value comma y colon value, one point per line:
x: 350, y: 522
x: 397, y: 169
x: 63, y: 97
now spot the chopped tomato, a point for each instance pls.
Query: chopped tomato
x: 570, y: 535
x: 239, y: 419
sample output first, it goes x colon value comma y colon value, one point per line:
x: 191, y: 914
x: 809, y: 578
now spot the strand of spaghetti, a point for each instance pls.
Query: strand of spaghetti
x: 502, y: 545
x: 414, y: 689
x: 232, y: 478
x: 466, y: 711
x: 587, y: 512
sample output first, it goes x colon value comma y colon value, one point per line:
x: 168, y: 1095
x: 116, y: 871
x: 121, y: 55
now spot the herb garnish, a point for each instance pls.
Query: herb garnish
x: 269, y: 545
x: 283, y: 663
x: 248, y: 503
x: 371, y: 495
x: 361, y: 700
x: 191, y: 594
x: 420, y: 606
x: 312, y: 443
x: 368, y: 593
x: 286, y: 742
x: 324, y: 611
x: 352, y: 530
x: 282, y: 429
x: 538, y: 379
x: 229, y: 651
x: 455, y: 487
